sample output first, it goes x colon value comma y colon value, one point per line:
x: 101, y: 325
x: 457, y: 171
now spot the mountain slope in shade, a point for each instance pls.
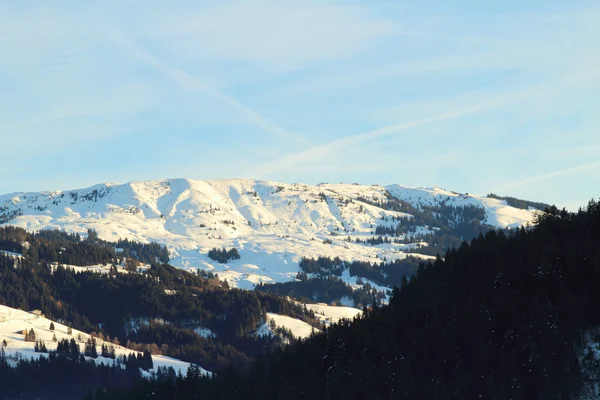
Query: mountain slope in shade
x: 272, y: 224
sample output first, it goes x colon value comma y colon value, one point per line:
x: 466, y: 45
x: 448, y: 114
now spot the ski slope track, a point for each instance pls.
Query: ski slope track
x: 273, y: 225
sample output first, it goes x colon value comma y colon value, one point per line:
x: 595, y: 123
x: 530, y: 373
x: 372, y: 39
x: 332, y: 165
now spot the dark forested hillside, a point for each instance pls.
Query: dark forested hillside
x: 504, y: 317
x: 160, y: 309
x: 51, y: 246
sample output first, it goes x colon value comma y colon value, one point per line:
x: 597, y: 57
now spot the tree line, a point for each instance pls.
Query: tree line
x: 51, y: 246
x: 506, y: 316
x: 158, y: 310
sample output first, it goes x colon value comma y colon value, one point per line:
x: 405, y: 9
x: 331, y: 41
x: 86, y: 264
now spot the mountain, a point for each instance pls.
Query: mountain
x: 507, y: 316
x: 271, y: 225
x: 75, y: 285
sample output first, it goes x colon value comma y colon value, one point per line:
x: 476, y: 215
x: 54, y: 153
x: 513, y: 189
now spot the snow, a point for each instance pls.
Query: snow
x: 14, y: 321
x: 333, y: 314
x: 103, y: 269
x: 353, y: 282
x: 273, y: 224
x: 98, y: 268
x: 299, y: 329
x: 12, y: 254
x: 205, y: 332
x: 264, y: 330
x: 327, y: 315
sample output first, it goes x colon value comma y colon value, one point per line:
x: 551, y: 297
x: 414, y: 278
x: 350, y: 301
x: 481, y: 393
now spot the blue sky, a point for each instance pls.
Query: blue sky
x: 471, y: 96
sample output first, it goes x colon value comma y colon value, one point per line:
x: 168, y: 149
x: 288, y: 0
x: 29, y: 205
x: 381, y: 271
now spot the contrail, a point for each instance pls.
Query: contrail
x: 349, y: 141
x: 190, y: 81
x: 549, y: 175
x: 511, y: 97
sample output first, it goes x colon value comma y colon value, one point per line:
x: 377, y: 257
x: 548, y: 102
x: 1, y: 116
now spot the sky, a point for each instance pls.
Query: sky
x: 471, y: 96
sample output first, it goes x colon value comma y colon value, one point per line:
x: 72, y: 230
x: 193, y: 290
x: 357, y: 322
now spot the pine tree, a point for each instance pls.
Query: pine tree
x: 30, y: 335
x: 73, y: 349
x: 2, y: 357
x: 40, y: 347
x: 90, y: 348
x: 147, y: 362
x: 111, y: 352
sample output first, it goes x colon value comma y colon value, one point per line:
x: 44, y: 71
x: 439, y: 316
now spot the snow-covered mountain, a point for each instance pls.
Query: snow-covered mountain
x: 273, y: 225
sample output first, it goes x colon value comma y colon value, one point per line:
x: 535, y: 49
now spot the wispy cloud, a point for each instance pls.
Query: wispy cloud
x: 273, y: 35
x: 548, y: 176
x: 472, y: 103
x: 243, y: 88
x: 532, y: 42
x: 325, y: 150
x: 190, y: 82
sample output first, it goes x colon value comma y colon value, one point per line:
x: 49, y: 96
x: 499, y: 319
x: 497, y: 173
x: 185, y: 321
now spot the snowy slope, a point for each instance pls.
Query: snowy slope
x: 498, y: 213
x: 332, y: 314
x: 14, y: 321
x: 299, y: 329
x: 272, y: 224
x: 326, y: 314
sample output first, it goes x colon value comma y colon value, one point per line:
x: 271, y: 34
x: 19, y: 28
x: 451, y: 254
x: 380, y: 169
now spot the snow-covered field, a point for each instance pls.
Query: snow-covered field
x: 273, y: 225
x: 299, y: 329
x: 327, y: 315
x: 332, y: 315
x: 14, y: 321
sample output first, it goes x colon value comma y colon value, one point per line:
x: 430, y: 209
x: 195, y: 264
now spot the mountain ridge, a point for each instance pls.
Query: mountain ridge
x: 272, y: 224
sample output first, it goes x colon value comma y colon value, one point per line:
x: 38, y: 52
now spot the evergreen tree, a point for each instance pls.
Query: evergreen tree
x: 147, y: 361
x: 3, y: 361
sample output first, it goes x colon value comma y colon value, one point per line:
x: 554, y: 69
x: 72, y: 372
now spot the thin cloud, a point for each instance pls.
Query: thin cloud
x: 277, y: 37
x: 549, y: 175
x: 337, y: 145
x: 537, y: 91
x: 189, y: 81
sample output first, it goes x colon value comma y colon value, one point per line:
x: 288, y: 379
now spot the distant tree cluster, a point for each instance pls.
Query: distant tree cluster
x: 90, y: 348
x: 330, y: 289
x: 223, y: 255
x: 40, y: 347
x: 147, y: 253
x: 68, y: 248
x: 30, y: 335
x: 68, y: 349
x: 383, y: 273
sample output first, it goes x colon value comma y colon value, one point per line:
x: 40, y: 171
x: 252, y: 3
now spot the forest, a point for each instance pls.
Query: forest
x: 57, y: 377
x: 51, y: 246
x: 158, y: 309
x: 506, y: 316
